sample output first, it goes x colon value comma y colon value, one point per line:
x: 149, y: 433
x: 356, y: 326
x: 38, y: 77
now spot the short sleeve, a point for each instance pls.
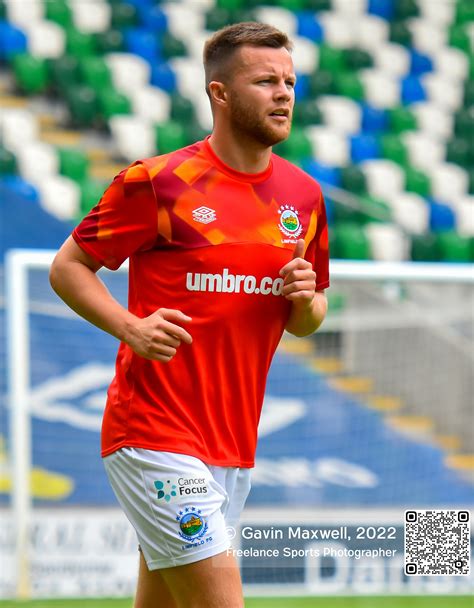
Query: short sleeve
x: 123, y: 222
x: 318, y: 250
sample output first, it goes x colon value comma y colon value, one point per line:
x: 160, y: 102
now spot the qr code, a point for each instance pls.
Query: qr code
x: 437, y: 542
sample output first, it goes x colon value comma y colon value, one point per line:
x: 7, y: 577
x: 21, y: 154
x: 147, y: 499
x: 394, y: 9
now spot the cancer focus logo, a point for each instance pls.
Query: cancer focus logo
x: 289, y: 223
x: 191, y: 523
x: 166, y: 491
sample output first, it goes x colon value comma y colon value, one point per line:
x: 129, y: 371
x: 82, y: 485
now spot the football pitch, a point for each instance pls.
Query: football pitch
x: 306, y: 602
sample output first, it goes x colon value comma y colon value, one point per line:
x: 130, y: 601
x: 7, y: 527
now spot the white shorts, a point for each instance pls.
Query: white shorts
x: 179, y: 506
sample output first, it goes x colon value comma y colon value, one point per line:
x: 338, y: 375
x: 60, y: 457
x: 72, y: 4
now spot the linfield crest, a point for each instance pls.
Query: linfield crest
x: 289, y: 223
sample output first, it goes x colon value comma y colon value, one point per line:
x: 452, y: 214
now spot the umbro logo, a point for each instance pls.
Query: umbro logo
x: 204, y: 215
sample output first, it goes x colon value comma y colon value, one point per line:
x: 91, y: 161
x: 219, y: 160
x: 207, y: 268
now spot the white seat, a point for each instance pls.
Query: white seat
x: 151, y: 103
x: 24, y: 14
x: 428, y: 37
x: 443, y: 91
x: 330, y: 147
x: 339, y: 31
x: 381, y: 89
x: 91, y: 17
x: 202, y: 6
x: 18, y: 127
x: 37, y: 160
x: 183, y: 20
x: 305, y: 55
x: 424, y: 150
x: 46, y: 39
x: 203, y: 110
x: 451, y: 63
x: 134, y: 137
x: 371, y: 32
x: 352, y: 8
x: 388, y: 243
x: 341, y: 113
x: 433, y: 120
x: 448, y: 182
x: 195, y: 44
x: 190, y: 75
x: 440, y: 13
x: 384, y: 177
x: 60, y: 196
x: 281, y: 18
x: 129, y: 72
x: 464, y: 210
x: 394, y: 59
x: 410, y: 211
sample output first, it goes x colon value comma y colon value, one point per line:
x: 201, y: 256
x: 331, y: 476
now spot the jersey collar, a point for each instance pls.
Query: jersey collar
x: 239, y: 175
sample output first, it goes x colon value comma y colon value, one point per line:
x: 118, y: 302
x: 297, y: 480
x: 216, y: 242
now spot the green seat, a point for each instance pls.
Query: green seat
x: 307, y: 112
x: 471, y: 179
x: 297, y: 146
x: 331, y: 59
x: 374, y: 209
x: 172, y: 47
x: 194, y: 132
x: 7, y: 162
x: 3, y: 10
x: 217, y: 18
x: 417, y: 181
x: 401, y: 119
x: 73, y: 163
x: 110, y: 41
x: 31, y: 73
x: 317, y: 5
x: 83, y: 105
x: 353, y: 179
x: 230, y: 5
x: 321, y: 83
x: 350, y: 242
x: 464, y: 11
x: 124, y: 14
x: 80, y: 44
x: 406, y: 8
x: 459, y: 38
x: 454, y: 247
x: 91, y: 193
x: 424, y: 248
x: 457, y: 151
x: 393, y: 148
x: 170, y: 136
x: 464, y: 122
x: 357, y: 59
x: 59, y: 12
x: 95, y: 73
x: 348, y: 84
x: 64, y: 73
x: 468, y: 98
x: 291, y: 5
x: 182, y: 109
x: 400, y: 33
x: 111, y: 103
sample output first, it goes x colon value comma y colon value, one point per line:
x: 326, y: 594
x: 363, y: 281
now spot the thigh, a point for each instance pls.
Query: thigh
x: 210, y: 583
x: 152, y: 590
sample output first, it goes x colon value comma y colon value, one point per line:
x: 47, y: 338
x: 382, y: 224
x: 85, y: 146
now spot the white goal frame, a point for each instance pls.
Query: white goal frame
x: 17, y: 264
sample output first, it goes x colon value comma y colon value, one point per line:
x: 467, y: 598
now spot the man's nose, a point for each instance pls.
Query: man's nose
x: 282, y: 91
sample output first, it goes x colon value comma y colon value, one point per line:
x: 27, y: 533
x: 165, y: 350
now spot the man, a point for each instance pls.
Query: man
x: 228, y: 247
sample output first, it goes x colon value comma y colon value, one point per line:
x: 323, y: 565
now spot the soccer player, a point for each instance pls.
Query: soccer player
x: 228, y: 247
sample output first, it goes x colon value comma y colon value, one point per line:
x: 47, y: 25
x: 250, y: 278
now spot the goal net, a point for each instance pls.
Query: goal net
x: 369, y: 417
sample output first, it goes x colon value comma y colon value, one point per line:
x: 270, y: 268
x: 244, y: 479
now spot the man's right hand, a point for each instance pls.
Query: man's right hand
x: 158, y: 336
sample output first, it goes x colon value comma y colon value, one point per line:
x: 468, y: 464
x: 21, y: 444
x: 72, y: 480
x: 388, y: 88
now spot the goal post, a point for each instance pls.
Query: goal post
x: 18, y: 266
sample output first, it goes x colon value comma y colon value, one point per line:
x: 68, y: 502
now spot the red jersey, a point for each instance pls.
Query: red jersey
x: 209, y: 241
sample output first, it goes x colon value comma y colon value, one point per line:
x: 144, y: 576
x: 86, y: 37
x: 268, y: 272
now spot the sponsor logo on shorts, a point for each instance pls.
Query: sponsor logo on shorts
x: 171, y: 490
x: 192, y: 524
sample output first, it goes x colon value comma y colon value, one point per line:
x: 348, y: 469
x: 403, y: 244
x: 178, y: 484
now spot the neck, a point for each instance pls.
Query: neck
x: 240, y: 152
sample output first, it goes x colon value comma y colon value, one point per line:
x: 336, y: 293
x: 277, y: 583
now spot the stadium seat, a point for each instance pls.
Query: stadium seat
x: 151, y: 103
x: 371, y: 32
x: 189, y: 75
x: 349, y: 84
x: 91, y: 193
x: 112, y: 102
x: 321, y: 82
x: 441, y: 13
x: 464, y: 12
x: 172, y: 46
x: 129, y: 72
x: 83, y: 105
x: 401, y: 119
x: 405, y: 9
x: 434, y: 120
x: 91, y: 17
x: 412, y: 90
x: 305, y: 55
x: 443, y: 91
x: 25, y: 14
x: 442, y: 217
x: 357, y: 59
x: 80, y: 44
x: 428, y: 37
x: 451, y: 63
x: 382, y: 8
x: 420, y: 63
x: 18, y: 128
x: 298, y: 146
x: 392, y: 59
x: 329, y: 146
x: 384, y: 178
x: 110, y: 41
x: 169, y: 136
x: 203, y: 113
x: 353, y: 179
x: 123, y: 15
x: 393, y: 148
x: 309, y: 26
x: 459, y: 37
x: 400, y: 33
x: 352, y: 9
x: 59, y: 12
x: 323, y: 173
x: 464, y: 211
x: 60, y: 196
x: 95, y: 73
x: 458, y: 152
x: 7, y: 162
x: 183, y: 21
x: 374, y: 120
x: 338, y: 30
x: 350, y: 242
x: 424, y: 248
x: 12, y: 40
x: 46, y: 39
x: 37, y: 160
x: 279, y: 17
x: 64, y: 73
x: 448, y: 182
x: 411, y: 212
x: 31, y: 73
x: 331, y: 59
x: 387, y: 242
x: 423, y: 150
x: 454, y: 247
x: 73, y: 163
x: 21, y: 187
x: 381, y: 90
x: 134, y: 137
x: 307, y: 112
x: 364, y: 147
x: 341, y: 113
x: 417, y: 181
x: 162, y: 76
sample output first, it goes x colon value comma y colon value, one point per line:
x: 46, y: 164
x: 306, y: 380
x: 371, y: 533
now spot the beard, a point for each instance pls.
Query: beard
x: 246, y: 121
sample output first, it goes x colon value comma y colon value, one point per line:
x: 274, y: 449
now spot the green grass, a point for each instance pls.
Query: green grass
x: 307, y: 602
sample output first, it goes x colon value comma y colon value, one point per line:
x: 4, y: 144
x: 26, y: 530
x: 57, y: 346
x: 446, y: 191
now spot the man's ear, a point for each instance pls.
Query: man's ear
x: 218, y: 93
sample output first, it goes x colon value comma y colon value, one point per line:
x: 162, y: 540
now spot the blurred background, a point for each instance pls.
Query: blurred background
x: 372, y: 416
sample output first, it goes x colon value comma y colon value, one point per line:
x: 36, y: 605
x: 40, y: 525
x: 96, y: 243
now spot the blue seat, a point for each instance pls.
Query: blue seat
x: 382, y: 8
x: 12, y: 40
x: 420, y: 63
x: 18, y: 186
x: 302, y: 86
x: 412, y: 90
x: 152, y: 17
x: 364, y: 147
x: 374, y: 120
x: 442, y: 217
x: 163, y: 76
x: 309, y: 27
x: 322, y: 173
x: 144, y: 43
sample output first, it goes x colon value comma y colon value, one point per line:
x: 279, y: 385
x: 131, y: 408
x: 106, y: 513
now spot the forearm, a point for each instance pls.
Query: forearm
x: 305, y: 318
